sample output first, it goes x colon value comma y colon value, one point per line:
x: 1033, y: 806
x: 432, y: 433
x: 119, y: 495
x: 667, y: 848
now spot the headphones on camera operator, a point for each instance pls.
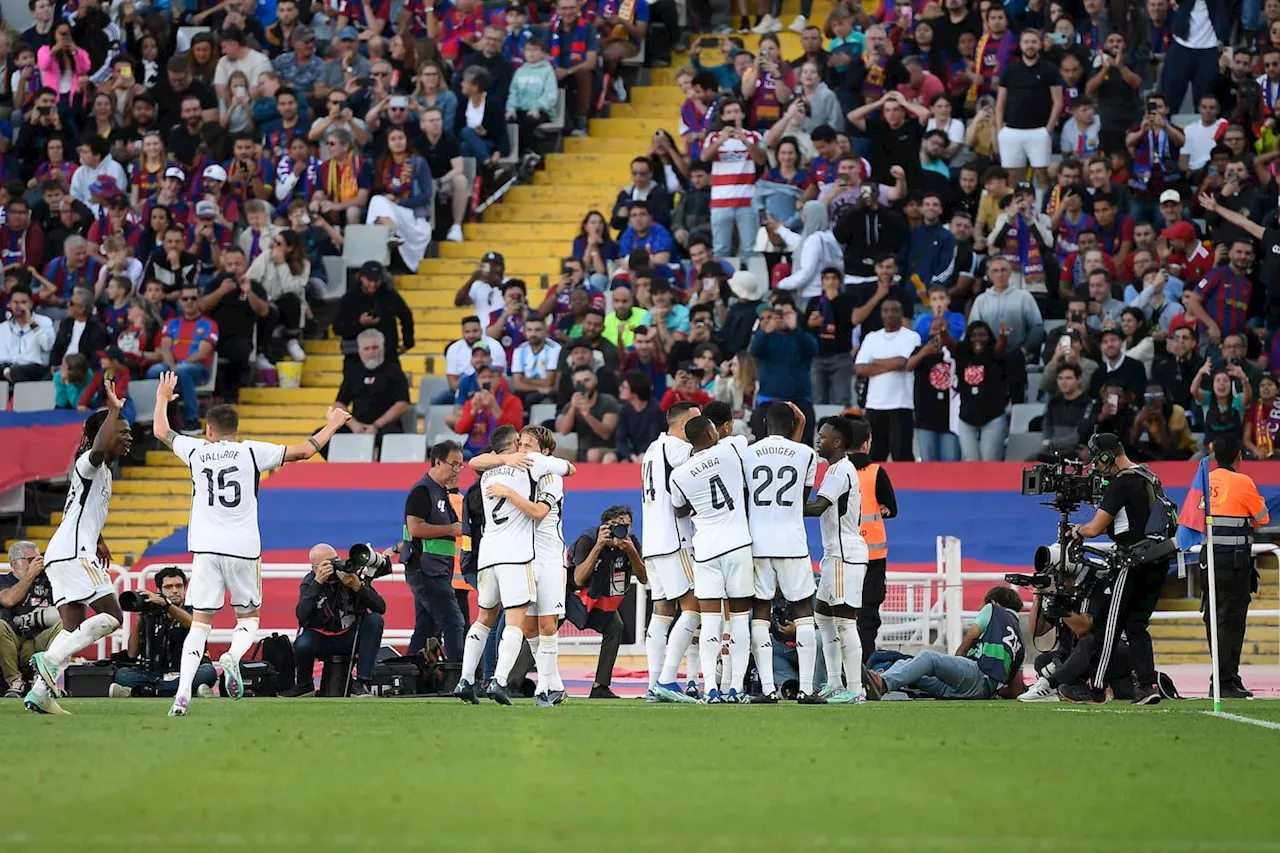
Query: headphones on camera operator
x: 1162, y: 520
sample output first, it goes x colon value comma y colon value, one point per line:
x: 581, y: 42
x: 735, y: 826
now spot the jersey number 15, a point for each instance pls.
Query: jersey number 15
x: 226, y: 491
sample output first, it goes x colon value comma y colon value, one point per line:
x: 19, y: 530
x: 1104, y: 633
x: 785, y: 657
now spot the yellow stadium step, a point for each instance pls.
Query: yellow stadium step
x: 111, y: 531
x: 136, y: 518
x: 572, y: 196
x: 428, y: 298
x: 531, y: 213
x: 136, y: 502
x: 425, y: 333
x: 282, y: 426
x: 1178, y: 604
x: 512, y: 253
x: 127, y: 551
x: 159, y: 472
x: 585, y: 179
x: 667, y: 96
x: 152, y: 487
x: 326, y: 363
x: 501, y: 235
x: 286, y: 396
x: 645, y: 111
x: 164, y: 458
x: 527, y: 268
x: 633, y: 129
x: 618, y: 162
x: 313, y: 413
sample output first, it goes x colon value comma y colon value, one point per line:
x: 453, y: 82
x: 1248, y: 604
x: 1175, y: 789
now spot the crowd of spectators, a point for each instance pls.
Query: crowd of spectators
x: 945, y: 210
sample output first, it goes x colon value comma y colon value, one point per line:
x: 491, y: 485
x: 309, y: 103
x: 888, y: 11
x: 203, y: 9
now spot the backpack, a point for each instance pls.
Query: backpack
x: 1162, y: 522
x: 277, y: 650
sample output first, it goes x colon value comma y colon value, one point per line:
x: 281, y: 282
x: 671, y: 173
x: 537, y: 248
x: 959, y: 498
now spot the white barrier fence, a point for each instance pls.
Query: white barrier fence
x: 921, y: 609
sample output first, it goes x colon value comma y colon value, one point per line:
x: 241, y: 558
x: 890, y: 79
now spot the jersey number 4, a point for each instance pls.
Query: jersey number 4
x: 226, y: 491
x: 720, y: 498
x: 787, y: 477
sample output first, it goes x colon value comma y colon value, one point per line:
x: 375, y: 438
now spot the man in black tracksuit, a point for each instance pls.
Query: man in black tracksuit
x: 373, y: 305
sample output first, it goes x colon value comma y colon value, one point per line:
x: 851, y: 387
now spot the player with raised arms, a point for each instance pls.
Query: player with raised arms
x: 844, y: 556
x: 711, y: 487
x: 77, y: 559
x: 223, y: 536
x: 780, y: 472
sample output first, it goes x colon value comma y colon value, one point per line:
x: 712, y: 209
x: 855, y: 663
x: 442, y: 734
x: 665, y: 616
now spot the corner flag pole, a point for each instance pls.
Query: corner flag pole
x: 1213, y: 608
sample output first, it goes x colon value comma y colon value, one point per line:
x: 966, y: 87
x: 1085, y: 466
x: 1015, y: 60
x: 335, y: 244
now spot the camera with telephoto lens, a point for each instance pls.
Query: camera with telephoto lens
x: 364, y: 562
x: 618, y: 531
x: 134, y: 602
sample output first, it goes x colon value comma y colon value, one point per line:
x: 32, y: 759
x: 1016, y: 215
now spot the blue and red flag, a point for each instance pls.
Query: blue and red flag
x: 37, y: 445
x: 1191, y: 518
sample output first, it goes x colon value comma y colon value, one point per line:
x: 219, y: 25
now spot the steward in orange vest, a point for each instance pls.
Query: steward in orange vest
x: 878, y: 504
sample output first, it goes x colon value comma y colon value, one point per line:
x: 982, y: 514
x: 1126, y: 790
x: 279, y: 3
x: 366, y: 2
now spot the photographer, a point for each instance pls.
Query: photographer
x: 336, y: 608
x: 603, y: 561
x: 155, y: 642
x: 1125, y: 600
x: 28, y: 620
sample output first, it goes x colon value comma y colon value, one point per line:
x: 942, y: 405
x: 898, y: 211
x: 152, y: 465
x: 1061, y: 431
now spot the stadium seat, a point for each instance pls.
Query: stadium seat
x: 404, y: 448
x: 13, y: 501
x: 433, y: 421
x: 551, y: 128
x: 4, y: 396
x: 336, y: 271
x: 351, y: 448
x: 428, y: 387
x: 757, y: 266
x: 1020, y: 418
x: 541, y: 412
x: 1022, y: 446
x: 361, y: 243
x: 409, y: 421
x: 732, y: 262
x: 567, y: 446
x: 33, y: 396
x: 636, y: 61
x: 469, y: 170
x: 143, y: 394
x: 438, y: 437
x: 210, y: 383
x: 1051, y: 326
x: 826, y: 411
x: 513, y: 136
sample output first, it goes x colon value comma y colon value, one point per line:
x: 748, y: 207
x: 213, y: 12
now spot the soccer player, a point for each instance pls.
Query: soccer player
x: 663, y: 544
x: 549, y: 568
x: 780, y: 472
x: 77, y: 559
x: 223, y: 537
x: 844, y: 556
x: 721, y: 417
x: 711, y: 486
x: 508, y: 549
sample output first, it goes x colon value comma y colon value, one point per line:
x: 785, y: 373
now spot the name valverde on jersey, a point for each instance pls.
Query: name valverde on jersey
x: 224, y: 493
x: 713, y: 483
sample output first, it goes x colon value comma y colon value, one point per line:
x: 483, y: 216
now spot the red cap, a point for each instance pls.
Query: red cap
x: 1182, y: 321
x: 1180, y: 230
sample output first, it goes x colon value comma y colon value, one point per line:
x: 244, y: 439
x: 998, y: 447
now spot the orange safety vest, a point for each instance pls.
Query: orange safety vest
x: 463, y: 544
x: 872, y: 526
x: 1234, y: 495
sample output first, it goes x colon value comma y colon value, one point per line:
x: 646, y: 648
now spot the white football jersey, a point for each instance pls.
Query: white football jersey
x: 780, y: 473
x: 841, y: 538
x: 661, y: 533
x: 712, y: 482
x: 83, y: 515
x: 548, y: 537
x: 224, y: 493
x: 509, y: 535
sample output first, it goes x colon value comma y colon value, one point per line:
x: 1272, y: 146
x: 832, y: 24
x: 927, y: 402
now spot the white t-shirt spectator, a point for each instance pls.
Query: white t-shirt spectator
x: 457, y: 357
x: 253, y: 66
x: 535, y: 365
x: 1200, y: 142
x: 486, y: 298
x: 954, y: 130
x: 889, y: 390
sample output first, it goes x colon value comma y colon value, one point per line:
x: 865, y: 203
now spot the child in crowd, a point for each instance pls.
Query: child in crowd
x: 1080, y: 132
x: 534, y: 94
x: 115, y: 313
x: 70, y: 381
x: 115, y: 371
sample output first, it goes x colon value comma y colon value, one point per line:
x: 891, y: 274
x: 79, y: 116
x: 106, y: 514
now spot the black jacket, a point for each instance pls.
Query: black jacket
x: 866, y: 233
x: 387, y: 305
x: 494, y: 123
x: 332, y: 608
x: 93, y: 340
x: 659, y: 202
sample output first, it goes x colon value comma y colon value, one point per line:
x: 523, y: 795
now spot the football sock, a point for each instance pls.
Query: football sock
x: 508, y: 650
x: 473, y: 649
x: 67, y: 643
x: 739, y: 647
x: 655, y: 645
x: 709, y: 647
x: 243, y: 637
x: 682, y: 634
x: 192, y: 654
x: 806, y: 652
x: 762, y: 651
x: 694, y: 662
x: 830, y: 648
x: 851, y: 646
x: 549, y: 662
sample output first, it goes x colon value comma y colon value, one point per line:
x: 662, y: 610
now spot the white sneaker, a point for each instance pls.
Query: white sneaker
x: 119, y: 691
x: 1040, y: 692
x: 765, y: 26
x: 295, y: 350
x: 455, y: 234
x: 204, y: 691
x: 799, y: 24
x: 264, y: 364
x: 619, y: 90
x: 775, y: 24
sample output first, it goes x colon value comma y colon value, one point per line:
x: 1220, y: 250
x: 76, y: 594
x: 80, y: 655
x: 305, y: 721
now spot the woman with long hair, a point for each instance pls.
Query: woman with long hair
x: 101, y: 119
x: 1262, y: 421
x: 738, y: 384
x: 1138, y: 344
x: 984, y: 394
x: 139, y: 337
x: 823, y: 104
x: 402, y: 53
x: 54, y: 165
x: 594, y: 245
x: 431, y: 89
x: 1222, y: 407
x: 401, y: 198
x: 783, y: 190
x: 665, y: 159
x: 64, y: 68
x: 283, y: 273
x: 764, y: 86
x: 203, y: 58
x: 146, y: 175
x: 235, y: 106
x: 147, y: 239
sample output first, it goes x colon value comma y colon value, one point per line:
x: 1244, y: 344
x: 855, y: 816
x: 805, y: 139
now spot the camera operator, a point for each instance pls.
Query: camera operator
x: 1125, y: 600
x: 335, y: 609
x: 1067, y: 632
x: 155, y: 643
x: 603, y: 561
x: 28, y: 619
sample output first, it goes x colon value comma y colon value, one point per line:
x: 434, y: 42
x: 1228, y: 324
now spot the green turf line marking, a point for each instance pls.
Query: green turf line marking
x: 1265, y: 724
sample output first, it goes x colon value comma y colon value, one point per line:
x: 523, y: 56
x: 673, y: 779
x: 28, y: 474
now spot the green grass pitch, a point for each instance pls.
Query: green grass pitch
x: 390, y: 775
